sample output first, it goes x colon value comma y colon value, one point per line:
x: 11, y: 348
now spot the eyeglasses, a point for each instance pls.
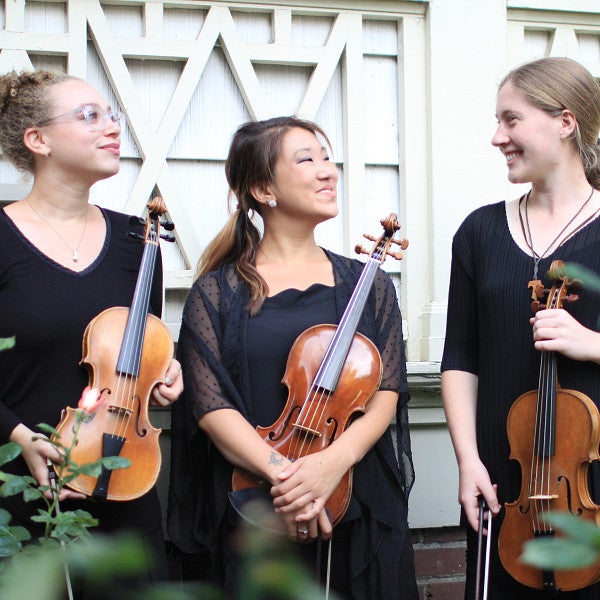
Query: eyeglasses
x: 95, y: 119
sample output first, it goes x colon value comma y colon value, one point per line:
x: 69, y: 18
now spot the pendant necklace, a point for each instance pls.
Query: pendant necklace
x: 529, y: 239
x: 75, y: 253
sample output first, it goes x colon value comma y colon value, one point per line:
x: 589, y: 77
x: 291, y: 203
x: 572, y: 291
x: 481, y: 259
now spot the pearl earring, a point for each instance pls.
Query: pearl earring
x: 272, y: 203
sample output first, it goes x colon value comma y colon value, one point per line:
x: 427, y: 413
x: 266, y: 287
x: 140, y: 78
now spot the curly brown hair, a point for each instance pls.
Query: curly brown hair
x: 24, y: 102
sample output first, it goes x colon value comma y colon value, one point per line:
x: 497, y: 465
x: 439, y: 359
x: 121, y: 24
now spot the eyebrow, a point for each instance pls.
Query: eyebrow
x: 509, y: 111
x: 307, y: 149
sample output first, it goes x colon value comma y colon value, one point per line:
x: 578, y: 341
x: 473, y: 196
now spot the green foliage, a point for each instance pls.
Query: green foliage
x: 7, y: 343
x: 577, y: 547
x: 62, y: 526
x: 271, y: 568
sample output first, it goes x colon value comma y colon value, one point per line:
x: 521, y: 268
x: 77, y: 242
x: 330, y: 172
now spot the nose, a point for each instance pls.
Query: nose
x: 500, y: 138
x: 110, y: 126
x: 328, y: 170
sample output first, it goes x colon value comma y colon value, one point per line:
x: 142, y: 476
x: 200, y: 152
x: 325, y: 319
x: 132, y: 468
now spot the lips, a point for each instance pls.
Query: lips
x: 112, y: 148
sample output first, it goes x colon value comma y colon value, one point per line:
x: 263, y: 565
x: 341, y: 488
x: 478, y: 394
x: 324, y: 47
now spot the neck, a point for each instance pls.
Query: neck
x: 564, y: 190
x: 63, y: 206
x: 286, y: 249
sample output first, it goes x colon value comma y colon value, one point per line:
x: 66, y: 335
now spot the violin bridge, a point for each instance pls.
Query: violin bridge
x: 544, y: 497
x: 307, y: 430
x: 119, y: 411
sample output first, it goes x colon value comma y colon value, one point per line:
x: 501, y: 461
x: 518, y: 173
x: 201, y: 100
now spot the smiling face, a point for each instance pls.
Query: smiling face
x: 76, y: 150
x: 305, y: 181
x: 529, y: 137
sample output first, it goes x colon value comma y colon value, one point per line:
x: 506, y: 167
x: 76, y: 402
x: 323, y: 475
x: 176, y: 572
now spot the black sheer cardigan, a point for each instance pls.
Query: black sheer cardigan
x: 212, y: 350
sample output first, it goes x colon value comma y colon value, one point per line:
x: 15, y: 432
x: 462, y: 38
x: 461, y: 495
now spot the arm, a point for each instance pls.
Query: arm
x: 459, y: 395
x: 311, y: 480
x: 242, y: 446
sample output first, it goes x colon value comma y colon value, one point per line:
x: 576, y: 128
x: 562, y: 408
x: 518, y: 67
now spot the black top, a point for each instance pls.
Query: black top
x: 47, y: 307
x: 488, y: 331
x: 488, y: 334
x: 214, y: 349
x: 271, y: 334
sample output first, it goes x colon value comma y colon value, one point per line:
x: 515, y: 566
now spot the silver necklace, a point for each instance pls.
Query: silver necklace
x: 75, y: 254
x: 529, y: 238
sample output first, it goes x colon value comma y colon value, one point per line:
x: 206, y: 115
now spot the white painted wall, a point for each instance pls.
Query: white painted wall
x: 405, y: 89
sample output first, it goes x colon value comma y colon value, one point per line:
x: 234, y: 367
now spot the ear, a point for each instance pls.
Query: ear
x: 568, y: 122
x: 262, y: 193
x: 35, y: 141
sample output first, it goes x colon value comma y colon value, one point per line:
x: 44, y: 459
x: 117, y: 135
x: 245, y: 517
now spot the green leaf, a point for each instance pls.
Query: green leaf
x: 20, y: 533
x: 558, y: 554
x: 30, y: 494
x: 115, y: 462
x: 589, y: 278
x: 48, y: 429
x: 586, y: 532
x: 5, y: 517
x: 92, y: 469
x: 9, y: 545
x: 13, y: 486
x: 9, y: 452
x: 6, y: 343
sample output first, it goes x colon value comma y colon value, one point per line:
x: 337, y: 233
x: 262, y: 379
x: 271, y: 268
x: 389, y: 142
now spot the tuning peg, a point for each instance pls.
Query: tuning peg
x: 134, y: 235
x: 360, y: 249
x: 133, y: 220
x: 168, y: 225
x: 167, y: 237
x: 402, y: 243
x: 396, y: 255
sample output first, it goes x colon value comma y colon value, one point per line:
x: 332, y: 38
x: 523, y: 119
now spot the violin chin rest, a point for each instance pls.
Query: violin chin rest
x: 255, y: 506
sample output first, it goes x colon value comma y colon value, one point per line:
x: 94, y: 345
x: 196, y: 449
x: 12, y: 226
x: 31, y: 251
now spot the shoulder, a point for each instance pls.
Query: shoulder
x: 120, y: 223
x: 482, y: 222
x: 344, y: 264
x: 218, y: 288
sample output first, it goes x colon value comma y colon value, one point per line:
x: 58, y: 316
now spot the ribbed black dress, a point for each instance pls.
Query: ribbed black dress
x: 488, y: 334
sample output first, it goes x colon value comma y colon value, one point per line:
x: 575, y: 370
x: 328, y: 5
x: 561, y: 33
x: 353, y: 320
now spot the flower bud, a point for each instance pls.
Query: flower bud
x: 90, y: 399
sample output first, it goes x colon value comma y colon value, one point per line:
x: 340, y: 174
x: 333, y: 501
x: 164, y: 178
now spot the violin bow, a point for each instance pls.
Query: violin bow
x: 486, y: 570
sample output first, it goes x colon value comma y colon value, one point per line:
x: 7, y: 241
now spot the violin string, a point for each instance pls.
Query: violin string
x: 132, y: 344
x: 315, y: 425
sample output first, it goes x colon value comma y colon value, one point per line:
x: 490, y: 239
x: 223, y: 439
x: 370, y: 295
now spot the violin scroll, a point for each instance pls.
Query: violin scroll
x: 156, y: 209
x: 382, y: 244
x: 562, y: 291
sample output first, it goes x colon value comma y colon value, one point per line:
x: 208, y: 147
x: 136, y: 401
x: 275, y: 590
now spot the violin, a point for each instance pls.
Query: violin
x: 331, y: 374
x: 554, y: 435
x: 127, y: 352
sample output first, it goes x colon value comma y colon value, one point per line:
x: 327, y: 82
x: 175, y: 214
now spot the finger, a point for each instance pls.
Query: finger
x: 306, y: 531
x: 289, y: 470
x: 157, y: 398
x: 312, y: 511
x: 325, y: 525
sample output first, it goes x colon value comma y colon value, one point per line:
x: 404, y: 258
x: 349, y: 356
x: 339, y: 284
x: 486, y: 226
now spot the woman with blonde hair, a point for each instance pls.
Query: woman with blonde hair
x: 548, y: 114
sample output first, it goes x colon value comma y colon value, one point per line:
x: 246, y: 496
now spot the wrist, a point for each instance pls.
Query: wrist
x: 21, y: 434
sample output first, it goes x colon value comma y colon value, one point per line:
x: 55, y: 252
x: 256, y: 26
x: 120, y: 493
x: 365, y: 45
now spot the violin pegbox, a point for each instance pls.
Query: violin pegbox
x: 382, y: 244
x: 563, y: 290
x: 152, y: 224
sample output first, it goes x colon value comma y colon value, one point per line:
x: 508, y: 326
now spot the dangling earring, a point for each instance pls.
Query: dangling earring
x: 272, y: 203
